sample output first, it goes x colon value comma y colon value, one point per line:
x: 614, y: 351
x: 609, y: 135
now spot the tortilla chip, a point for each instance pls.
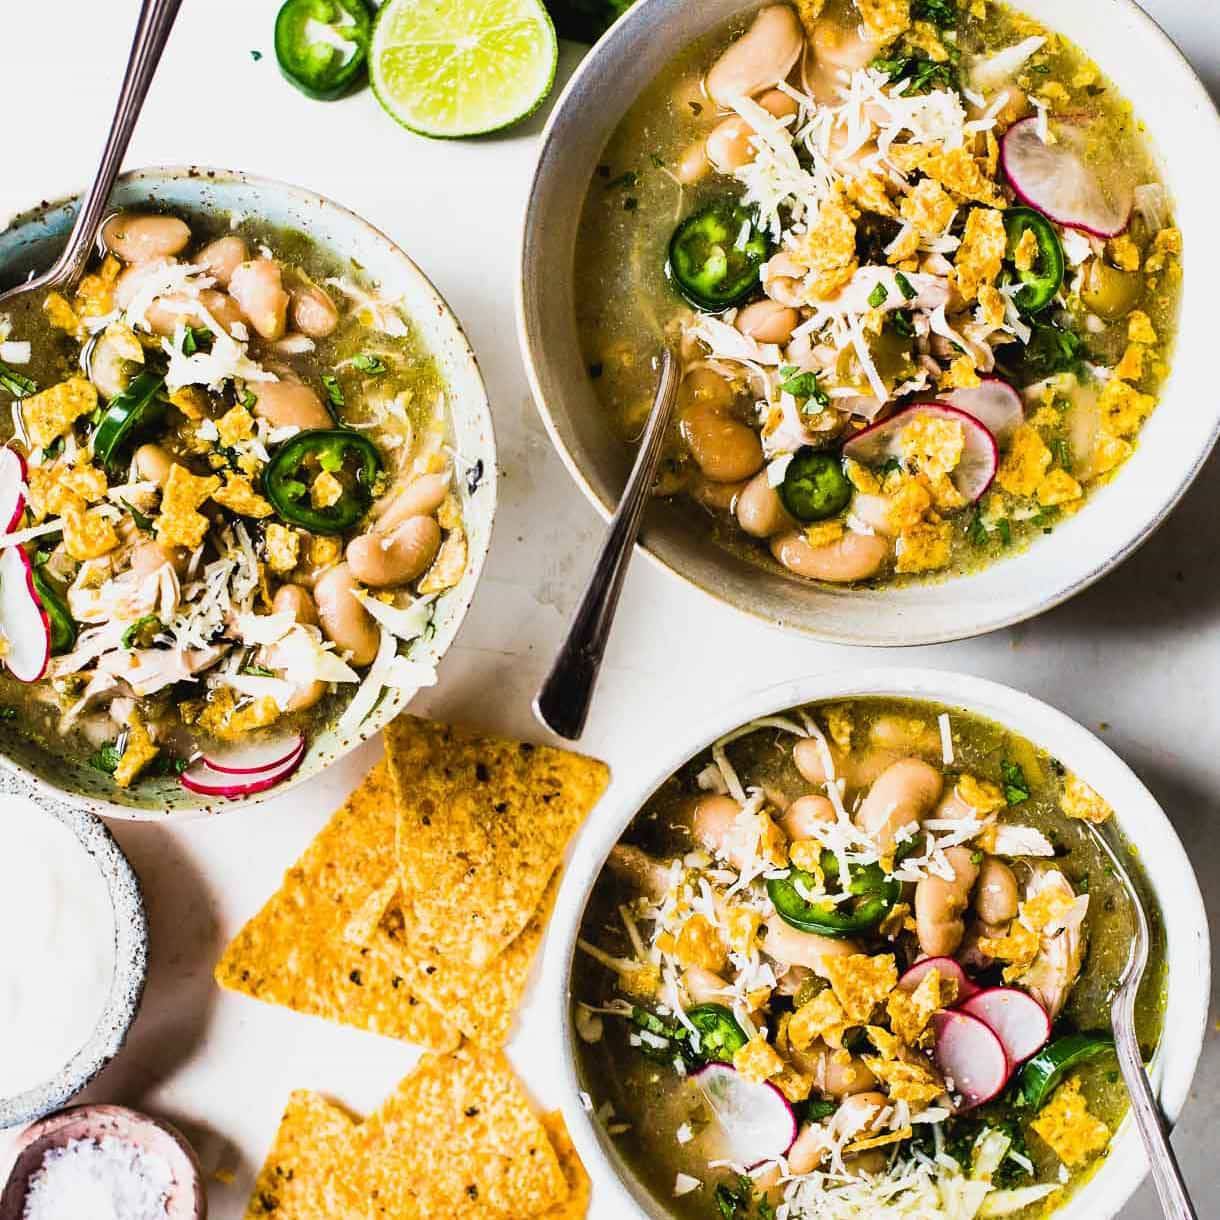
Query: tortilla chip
x: 483, y: 824
x: 301, y: 1178
x: 294, y: 953
x: 457, y: 1138
x: 481, y: 1003
x: 576, y: 1205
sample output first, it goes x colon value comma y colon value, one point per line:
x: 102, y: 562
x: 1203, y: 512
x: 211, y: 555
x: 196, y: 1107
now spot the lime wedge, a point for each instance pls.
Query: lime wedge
x: 451, y: 68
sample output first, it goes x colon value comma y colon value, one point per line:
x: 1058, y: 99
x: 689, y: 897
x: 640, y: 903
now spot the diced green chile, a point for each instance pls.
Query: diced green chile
x: 63, y: 625
x: 126, y: 414
x: 710, y: 264
x: 1040, y: 1076
x: 814, y: 486
x: 322, y: 67
x: 1042, y: 281
x: 720, y: 1037
x: 350, y: 456
x: 874, y: 896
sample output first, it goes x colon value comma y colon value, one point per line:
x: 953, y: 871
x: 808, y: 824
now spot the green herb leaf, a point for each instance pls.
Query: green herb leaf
x: 143, y: 521
x: 803, y: 385
x: 879, y: 295
x: 107, y: 758
x: 8, y: 713
x: 258, y: 671
x: 1050, y: 350
x: 941, y: 13
x: 334, y: 391
x: 129, y: 637
x: 248, y: 399
x: 367, y: 363
x: 1016, y: 786
x: 977, y: 530
x: 924, y: 74
x: 17, y: 384
x: 1063, y: 452
x: 195, y: 339
x: 900, y: 323
x: 1004, y: 529
x: 256, y: 55
x: 905, y: 286
x: 891, y: 466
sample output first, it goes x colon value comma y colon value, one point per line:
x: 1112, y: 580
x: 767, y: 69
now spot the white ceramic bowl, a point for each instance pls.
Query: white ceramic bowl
x: 32, y: 239
x: 1140, y: 818
x: 1184, y: 129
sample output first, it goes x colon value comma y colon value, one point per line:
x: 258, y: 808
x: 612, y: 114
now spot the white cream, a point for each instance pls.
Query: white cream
x: 56, y: 945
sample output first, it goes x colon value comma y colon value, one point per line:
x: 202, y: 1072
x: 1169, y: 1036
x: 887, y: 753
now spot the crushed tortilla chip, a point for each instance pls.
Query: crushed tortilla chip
x: 302, y: 1177
x: 49, y: 415
x: 885, y: 19
x: 1065, y: 1123
x: 821, y: 1017
x: 1025, y: 463
x: 180, y: 523
x: 861, y: 982
x: 758, y: 1060
x: 293, y: 952
x: 910, y: 1012
x: 448, y: 566
x: 282, y: 546
x: 87, y: 534
x: 911, y: 1079
x: 1082, y: 802
x: 138, y: 751
x: 483, y: 823
x: 238, y: 496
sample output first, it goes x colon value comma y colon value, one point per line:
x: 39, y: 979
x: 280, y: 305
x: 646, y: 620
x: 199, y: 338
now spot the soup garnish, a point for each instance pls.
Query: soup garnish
x: 856, y: 960
x: 919, y: 248
x: 228, y: 500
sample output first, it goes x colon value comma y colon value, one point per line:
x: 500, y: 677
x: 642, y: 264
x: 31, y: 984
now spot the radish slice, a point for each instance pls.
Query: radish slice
x: 995, y: 404
x: 202, y: 779
x: 949, y: 969
x: 980, y: 457
x: 971, y: 1056
x: 254, y: 759
x: 24, y: 624
x: 1056, y: 180
x: 757, y: 1118
x: 1015, y: 1017
x: 12, y: 489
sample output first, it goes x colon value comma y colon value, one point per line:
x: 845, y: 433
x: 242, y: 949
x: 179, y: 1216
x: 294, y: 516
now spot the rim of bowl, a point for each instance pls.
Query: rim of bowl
x: 130, y: 957
x: 620, y: 37
x: 1143, y: 823
x: 392, y: 702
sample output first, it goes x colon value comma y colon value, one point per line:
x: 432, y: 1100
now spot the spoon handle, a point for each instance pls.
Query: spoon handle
x: 1166, y: 1176
x: 156, y: 21
x: 562, y: 703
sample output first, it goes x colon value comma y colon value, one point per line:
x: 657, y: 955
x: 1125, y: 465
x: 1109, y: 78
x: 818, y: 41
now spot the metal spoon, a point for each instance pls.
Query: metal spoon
x: 562, y: 703
x: 156, y: 21
x: 1166, y: 1176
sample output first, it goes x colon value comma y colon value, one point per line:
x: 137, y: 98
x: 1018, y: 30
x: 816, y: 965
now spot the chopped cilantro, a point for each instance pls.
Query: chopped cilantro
x: 891, y: 466
x: 900, y: 323
x: 924, y: 74
x: 17, y: 384
x: 8, y: 713
x: 367, y: 363
x: 107, y: 758
x: 879, y: 295
x: 248, y: 399
x: 941, y: 13
x: 334, y: 391
x: 1050, y: 350
x: 905, y: 286
x: 258, y: 671
x: 1003, y: 528
x: 802, y: 385
x: 256, y: 55
x: 194, y: 339
x: 977, y: 530
x: 144, y: 523
x: 1016, y: 786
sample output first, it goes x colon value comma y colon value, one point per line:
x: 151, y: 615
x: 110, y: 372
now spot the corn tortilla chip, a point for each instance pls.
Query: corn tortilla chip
x: 576, y: 1205
x: 457, y: 1138
x: 294, y: 951
x: 481, y: 1003
x: 301, y: 1178
x: 483, y: 823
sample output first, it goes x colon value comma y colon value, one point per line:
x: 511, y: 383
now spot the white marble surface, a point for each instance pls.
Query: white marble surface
x: 1135, y: 655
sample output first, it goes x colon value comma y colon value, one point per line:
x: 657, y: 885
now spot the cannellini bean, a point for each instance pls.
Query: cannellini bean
x: 767, y: 321
x: 313, y: 312
x: 760, y: 511
x: 852, y: 557
x: 258, y: 287
x: 857, y: 770
x: 830, y: 1076
x: 693, y: 165
x: 905, y: 733
x: 384, y: 560
x: 704, y: 388
x: 715, y: 826
x: 137, y: 237
x: 704, y: 986
x: 149, y: 556
x: 726, y: 450
x: 153, y: 463
x: 640, y: 870
x: 165, y: 314
x: 289, y: 404
x: 344, y: 621
x: 717, y: 497
x: 808, y: 1150
x: 940, y: 904
x: 292, y: 599
x: 995, y: 898
x: 793, y: 948
x: 729, y: 145
x: 131, y: 278
x: 761, y: 58
x: 903, y: 793
x: 222, y: 257
x: 421, y: 496
x: 805, y: 816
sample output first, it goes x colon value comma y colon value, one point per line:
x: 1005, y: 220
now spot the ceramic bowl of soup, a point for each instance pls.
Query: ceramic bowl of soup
x: 725, y: 999
x: 938, y: 288
x: 249, y: 477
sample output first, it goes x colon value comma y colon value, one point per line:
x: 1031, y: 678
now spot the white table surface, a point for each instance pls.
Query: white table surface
x: 1134, y: 655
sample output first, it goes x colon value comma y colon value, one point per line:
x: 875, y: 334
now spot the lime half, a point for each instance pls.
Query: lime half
x: 462, y: 67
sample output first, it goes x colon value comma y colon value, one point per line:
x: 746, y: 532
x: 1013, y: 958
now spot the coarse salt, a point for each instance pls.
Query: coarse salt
x: 107, y: 1179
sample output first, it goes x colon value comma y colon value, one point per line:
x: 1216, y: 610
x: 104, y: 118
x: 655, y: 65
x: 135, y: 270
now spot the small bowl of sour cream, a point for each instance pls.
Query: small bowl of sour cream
x: 73, y: 950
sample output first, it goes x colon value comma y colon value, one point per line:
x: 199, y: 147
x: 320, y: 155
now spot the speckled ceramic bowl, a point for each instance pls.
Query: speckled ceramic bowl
x: 130, y: 958
x: 31, y: 241
x: 186, y: 1199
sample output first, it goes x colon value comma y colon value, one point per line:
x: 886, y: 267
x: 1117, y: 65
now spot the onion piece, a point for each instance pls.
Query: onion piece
x: 756, y: 1118
x: 1056, y: 180
x: 254, y: 759
x: 1015, y: 1017
x: 13, y: 476
x: 971, y: 1056
x: 24, y: 624
x: 980, y: 459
